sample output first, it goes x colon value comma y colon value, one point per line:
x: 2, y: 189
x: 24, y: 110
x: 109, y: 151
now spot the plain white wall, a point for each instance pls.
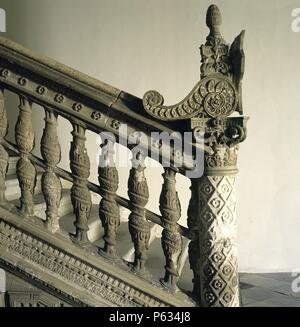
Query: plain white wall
x: 137, y: 45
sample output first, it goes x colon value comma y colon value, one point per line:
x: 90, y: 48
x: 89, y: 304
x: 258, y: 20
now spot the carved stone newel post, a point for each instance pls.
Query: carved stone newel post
x: 212, y: 209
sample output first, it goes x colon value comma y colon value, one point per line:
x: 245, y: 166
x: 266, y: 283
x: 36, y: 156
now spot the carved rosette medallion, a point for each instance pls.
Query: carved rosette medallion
x: 26, y: 171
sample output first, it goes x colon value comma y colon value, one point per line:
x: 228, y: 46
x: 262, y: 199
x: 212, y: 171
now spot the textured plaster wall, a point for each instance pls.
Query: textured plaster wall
x: 138, y: 45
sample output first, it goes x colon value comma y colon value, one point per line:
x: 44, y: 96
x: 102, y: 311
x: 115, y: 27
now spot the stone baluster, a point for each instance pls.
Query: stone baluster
x: 51, y: 184
x: 193, y: 224
x: 109, y: 209
x: 138, y: 225
x: 26, y: 171
x: 4, y: 157
x: 80, y: 194
x: 171, y: 238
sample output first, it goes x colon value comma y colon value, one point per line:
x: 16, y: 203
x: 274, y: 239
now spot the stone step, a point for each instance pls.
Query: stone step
x: 125, y: 249
x: 13, y: 190
x: 40, y: 204
x: 95, y: 232
x: 12, y: 163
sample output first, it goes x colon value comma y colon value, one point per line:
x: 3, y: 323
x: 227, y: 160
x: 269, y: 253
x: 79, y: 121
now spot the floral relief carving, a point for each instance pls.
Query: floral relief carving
x: 41, y: 90
x: 59, y: 98
x: 77, y: 107
x: 96, y: 115
x: 22, y: 81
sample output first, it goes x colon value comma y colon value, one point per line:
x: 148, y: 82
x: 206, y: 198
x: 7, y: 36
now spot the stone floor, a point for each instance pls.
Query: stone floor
x: 269, y: 290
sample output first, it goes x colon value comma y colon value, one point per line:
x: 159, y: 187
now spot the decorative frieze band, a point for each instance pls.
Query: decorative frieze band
x: 71, y: 269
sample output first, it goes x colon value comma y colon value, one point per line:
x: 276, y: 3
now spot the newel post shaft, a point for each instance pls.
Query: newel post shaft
x: 214, y: 250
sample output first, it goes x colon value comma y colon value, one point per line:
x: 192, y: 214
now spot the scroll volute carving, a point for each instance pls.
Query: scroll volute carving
x: 217, y: 94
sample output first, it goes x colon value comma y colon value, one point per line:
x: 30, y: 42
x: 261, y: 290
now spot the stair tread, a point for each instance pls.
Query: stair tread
x: 13, y: 177
x: 66, y: 222
x: 39, y: 198
x: 40, y: 204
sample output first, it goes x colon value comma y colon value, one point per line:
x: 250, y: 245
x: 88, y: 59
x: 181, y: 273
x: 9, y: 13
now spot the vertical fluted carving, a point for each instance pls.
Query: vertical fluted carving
x: 171, y: 239
x: 193, y: 225
x: 51, y: 185
x: 3, y: 153
x: 26, y: 171
x: 138, y: 225
x: 109, y: 209
x: 80, y: 194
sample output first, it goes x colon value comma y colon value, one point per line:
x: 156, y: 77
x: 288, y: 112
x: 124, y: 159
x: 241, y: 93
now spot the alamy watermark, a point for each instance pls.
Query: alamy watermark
x: 174, y: 149
x: 2, y: 20
x: 296, y: 21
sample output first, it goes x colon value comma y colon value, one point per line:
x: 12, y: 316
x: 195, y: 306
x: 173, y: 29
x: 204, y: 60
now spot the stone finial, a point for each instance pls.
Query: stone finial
x: 213, y: 19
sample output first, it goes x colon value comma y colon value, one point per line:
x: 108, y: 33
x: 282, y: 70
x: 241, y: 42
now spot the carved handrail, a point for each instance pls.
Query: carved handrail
x: 92, y: 105
x: 99, y: 106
